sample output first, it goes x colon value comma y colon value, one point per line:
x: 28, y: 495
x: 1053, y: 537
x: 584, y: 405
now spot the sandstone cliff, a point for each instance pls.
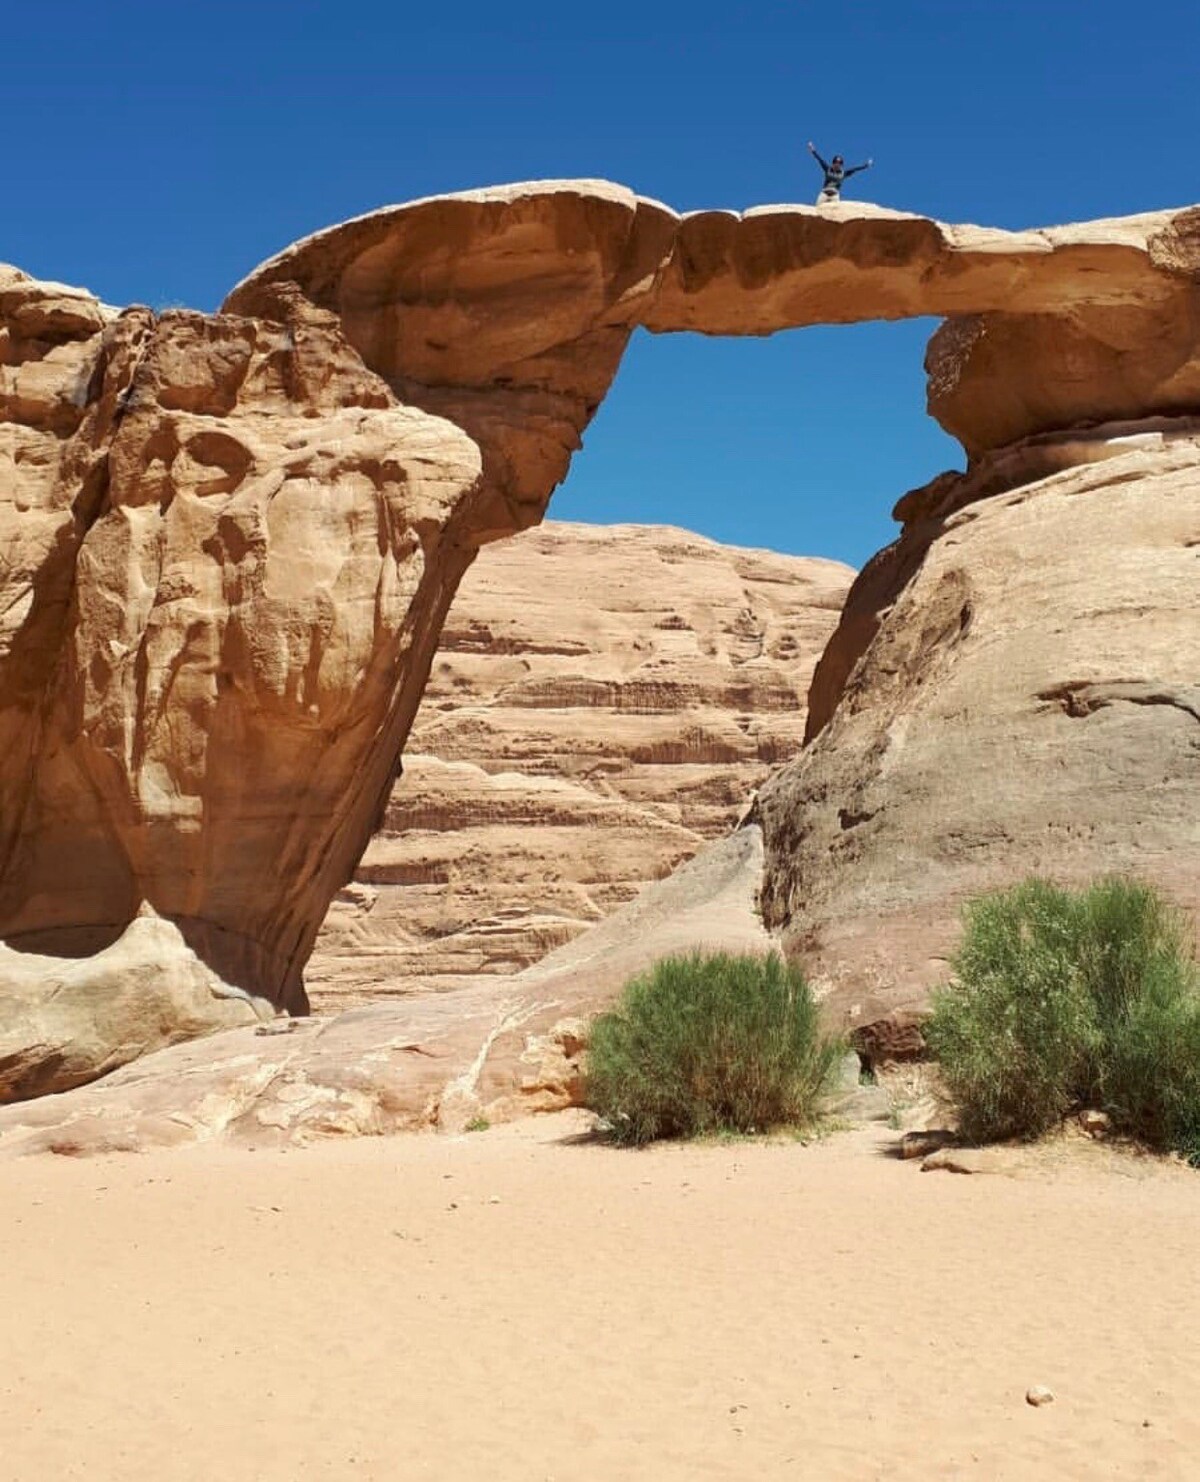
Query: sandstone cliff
x: 228, y: 554
x: 604, y: 700
x: 1014, y: 687
x: 230, y: 542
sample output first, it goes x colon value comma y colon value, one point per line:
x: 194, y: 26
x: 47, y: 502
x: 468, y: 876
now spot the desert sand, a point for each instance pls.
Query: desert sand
x: 521, y: 1302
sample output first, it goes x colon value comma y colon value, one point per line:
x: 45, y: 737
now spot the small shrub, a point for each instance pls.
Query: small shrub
x: 1151, y: 1077
x: 709, y: 1043
x: 1015, y: 1031
x: 1067, y: 998
x: 477, y: 1124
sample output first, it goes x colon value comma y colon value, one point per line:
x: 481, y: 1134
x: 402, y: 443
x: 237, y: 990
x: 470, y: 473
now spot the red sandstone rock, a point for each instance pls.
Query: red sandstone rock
x: 507, y: 310
x: 226, y: 572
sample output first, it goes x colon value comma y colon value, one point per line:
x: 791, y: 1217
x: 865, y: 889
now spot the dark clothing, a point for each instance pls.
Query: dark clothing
x: 836, y: 175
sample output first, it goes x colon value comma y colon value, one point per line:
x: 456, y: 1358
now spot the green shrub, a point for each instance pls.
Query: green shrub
x: 1067, y: 998
x: 707, y: 1043
x: 1129, y: 940
x: 1015, y: 1031
x: 1151, y: 1079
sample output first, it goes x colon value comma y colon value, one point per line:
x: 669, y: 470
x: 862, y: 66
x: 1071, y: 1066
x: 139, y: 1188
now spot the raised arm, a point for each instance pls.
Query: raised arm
x: 858, y: 169
x: 816, y: 156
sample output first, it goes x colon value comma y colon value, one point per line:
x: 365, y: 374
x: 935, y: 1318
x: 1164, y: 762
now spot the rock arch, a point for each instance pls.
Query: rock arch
x: 230, y: 540
x: 507, y: 310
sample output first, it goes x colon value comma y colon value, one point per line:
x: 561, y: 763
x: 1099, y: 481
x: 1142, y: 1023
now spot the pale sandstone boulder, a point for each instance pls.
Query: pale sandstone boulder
x: 604, y: 700
x: 1019, y: 692
x: 502, y: 1048
x: 66, y: 1021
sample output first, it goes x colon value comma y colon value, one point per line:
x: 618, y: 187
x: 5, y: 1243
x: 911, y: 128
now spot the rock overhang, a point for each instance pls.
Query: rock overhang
x: 926, y: 267
x: 526, y: 295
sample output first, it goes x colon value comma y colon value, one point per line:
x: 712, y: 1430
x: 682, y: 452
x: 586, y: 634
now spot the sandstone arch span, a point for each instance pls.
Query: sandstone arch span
x: 507, y: 310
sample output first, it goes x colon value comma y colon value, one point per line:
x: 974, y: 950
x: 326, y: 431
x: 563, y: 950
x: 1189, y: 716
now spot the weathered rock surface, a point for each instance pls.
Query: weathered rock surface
x: 1000, y: 377
x: 972, y: 1160
x: 64, y: 1021
x: 507, y: 310
x: 1019, y: 694
x: 228, y: 552
x: 229, y: 543
x: 502, y: 1048
x: 604, y: 700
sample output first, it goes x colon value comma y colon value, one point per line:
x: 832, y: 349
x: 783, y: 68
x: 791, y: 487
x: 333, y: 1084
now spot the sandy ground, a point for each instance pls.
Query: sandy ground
x: 516, y: 1303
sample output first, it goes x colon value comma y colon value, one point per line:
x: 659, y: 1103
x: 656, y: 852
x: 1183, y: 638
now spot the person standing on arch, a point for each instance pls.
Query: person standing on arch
x: 836, y: 175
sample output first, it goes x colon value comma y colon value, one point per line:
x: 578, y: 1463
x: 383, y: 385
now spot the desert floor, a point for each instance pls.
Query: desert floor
x: 523, y: 1303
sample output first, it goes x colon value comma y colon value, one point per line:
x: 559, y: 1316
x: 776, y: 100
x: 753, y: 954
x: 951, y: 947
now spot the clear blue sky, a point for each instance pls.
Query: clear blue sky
x: 156, y: 152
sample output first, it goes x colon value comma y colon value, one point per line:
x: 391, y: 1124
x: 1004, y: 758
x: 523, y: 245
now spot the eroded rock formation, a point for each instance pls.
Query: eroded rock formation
x: 228, y: 552
x: 507, y: 310
x: 604, y: 700
x: 500, y: 1048
x: 1014, y: 688
x: 229, y: 541
x: 64, y: 1021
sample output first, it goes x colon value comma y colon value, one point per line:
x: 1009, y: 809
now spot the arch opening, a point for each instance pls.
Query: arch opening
x: 800, y: 442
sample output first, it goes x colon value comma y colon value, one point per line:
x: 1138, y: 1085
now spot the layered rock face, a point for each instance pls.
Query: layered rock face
x: 230, y: 541
x: 604, y: 700
x: 1014, y: 688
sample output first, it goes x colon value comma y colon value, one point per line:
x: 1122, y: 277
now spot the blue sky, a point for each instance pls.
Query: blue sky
x: 156, y: 153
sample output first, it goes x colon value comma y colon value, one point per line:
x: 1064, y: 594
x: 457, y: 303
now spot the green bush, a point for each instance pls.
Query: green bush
x: 1151, y: 1080
x: 708, y: 1043
x: 1062, y: 999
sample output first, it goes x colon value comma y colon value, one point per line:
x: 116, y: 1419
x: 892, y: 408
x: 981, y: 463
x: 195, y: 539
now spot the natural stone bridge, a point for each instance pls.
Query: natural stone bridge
x: 229, y: 541
x: 508, y: 310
